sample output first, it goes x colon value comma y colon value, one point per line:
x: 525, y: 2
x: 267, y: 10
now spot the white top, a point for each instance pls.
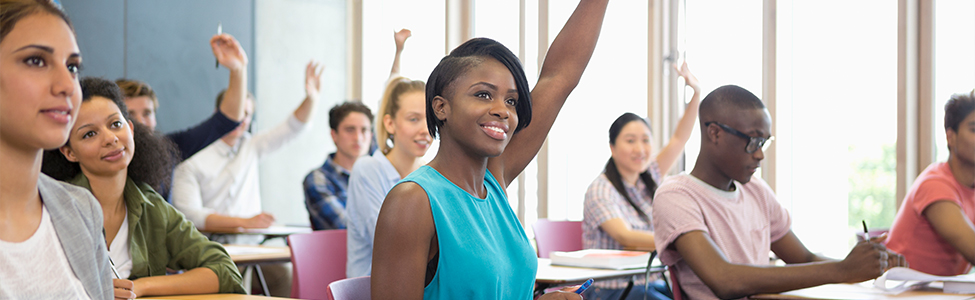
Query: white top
x: 224, y: 180
x: 119, y: 250
x: 38, y: 267
x: 372, y: 177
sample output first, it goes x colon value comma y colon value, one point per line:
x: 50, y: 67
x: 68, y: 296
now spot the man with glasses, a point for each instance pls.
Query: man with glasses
x: 720, y: 220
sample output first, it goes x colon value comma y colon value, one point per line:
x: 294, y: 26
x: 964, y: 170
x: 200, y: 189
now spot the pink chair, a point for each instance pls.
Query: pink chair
x: 350, y: 289
x: 317, y: 259
x: 557, y: 236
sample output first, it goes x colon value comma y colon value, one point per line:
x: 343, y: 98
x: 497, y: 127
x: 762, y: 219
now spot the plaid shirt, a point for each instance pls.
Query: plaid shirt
x: 325, y: 195
x: 603, y: 203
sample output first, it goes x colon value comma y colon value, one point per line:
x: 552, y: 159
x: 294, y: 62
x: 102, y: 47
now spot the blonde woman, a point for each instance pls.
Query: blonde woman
x: 401, y: 131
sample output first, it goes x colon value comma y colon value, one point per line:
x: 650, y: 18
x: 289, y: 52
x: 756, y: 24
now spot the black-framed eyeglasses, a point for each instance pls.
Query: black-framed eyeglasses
x: 754, y: 142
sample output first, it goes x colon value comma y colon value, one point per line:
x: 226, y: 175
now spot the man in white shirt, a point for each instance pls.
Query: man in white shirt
x: 218, y: 188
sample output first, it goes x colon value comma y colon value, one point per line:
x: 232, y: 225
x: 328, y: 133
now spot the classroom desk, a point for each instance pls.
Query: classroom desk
x: 268, y: 233
x: 245, y: 255
x: 249, y: 256
x: 216, y: 297
x: 549, y: 275
x: 861, y: 291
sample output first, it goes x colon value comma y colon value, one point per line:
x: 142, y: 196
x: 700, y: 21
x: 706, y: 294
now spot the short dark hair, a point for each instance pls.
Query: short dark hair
x: 12, y: 11
x: 958, y: 107
x: 338, y: 113
x: 462, y: 59
x: 726, y: 97
x: 154, y: 155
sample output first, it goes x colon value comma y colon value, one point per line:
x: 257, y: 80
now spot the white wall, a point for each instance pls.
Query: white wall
x: 288, y: 33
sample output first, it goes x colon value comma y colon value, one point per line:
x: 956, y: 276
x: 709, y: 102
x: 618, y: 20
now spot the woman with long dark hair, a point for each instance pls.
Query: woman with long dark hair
x: 144, y: 234
x: 617, y: 203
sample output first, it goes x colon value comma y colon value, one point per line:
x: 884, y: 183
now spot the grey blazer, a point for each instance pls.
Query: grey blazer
x: 77, y: 219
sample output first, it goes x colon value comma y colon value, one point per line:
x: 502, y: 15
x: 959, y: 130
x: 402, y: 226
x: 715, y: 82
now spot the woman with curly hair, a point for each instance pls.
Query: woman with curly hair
x: 145, y: 235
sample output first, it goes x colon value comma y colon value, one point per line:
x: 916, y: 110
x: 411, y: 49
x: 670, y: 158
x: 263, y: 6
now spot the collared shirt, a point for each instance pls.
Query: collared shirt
x: 603, y: 203
x: 325, y: 195
x: 372, y: 177
x: 224, y: 180
x: 159, y: 237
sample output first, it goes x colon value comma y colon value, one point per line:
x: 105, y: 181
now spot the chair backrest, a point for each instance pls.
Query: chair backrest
x: 557, y: 236
x: 350, y: 289
x: 317, y: 259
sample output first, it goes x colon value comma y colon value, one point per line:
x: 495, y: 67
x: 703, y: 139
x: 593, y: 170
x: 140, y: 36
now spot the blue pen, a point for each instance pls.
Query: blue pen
x: 584, y: 286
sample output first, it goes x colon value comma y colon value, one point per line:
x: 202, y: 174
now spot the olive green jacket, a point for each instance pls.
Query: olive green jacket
x: 161, y: 237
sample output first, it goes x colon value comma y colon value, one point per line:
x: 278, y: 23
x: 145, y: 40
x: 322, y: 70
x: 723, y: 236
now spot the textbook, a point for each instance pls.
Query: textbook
x: 602, y: 259
x: 909, y: 278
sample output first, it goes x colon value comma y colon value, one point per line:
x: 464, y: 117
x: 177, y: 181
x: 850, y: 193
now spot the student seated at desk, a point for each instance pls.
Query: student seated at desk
x: 716, y: 226
x: 327, y: 186
x: 933, y: 229
x: 51, y: 244
x: 218, y: 188
x: 617, y: 203
x: 145, y: 235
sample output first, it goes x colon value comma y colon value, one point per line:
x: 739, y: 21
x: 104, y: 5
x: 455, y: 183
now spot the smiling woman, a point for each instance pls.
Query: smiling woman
x: 101, y: 156
x: 447, y: 230
x: 51, y: 249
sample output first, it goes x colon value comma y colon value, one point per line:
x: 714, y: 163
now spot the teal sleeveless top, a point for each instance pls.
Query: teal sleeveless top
x: 484, y: 253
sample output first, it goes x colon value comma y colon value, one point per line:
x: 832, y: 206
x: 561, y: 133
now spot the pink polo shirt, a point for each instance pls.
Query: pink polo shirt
x: 912, y: 234
x: 743, y: 223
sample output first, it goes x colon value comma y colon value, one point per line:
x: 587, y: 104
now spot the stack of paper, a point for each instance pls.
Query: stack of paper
x: 904, y: 278
x: 602, y: 259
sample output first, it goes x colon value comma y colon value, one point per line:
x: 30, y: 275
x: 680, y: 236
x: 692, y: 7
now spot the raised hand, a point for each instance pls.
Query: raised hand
x: 228, y: 52
x: 313, y: 79
x: 689, y: 78
x: 400, y: 38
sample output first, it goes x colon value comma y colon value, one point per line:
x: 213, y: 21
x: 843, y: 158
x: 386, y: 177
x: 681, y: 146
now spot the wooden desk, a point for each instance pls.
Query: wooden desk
x: 549, y: 275
x: 244, y: 255
x: 216, y: 297
x: 248, y: 256
x: 862, y: 291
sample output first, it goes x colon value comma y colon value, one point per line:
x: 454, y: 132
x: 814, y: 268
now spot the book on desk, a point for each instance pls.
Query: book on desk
x: 601, y: 259
x: 901, y: 279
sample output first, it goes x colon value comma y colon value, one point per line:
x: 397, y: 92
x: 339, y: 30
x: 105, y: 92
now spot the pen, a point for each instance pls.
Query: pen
x: 866, y: 233
x: 219, y: 32
x: 584, y: 286
x: 113, y: 268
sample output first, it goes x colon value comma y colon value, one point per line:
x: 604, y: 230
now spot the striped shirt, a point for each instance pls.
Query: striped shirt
x: 603, y: 203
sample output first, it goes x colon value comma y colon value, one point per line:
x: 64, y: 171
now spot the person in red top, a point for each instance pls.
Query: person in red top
x: 933, y: 228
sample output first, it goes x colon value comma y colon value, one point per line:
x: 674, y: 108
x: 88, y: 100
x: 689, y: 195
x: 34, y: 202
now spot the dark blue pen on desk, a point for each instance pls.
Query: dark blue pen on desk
x: 584, y: 286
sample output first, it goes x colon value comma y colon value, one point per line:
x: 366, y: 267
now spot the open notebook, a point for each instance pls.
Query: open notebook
x: 900, y: 279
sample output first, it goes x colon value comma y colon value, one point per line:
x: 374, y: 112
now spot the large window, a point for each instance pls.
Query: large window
x: 426, y: 19
x: 836, y: 118
x: 615, y: 82
x: 722, y: 44
x: 954, y: 60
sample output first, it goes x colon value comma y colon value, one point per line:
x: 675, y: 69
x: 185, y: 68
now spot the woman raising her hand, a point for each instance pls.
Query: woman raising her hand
x: 447, y: 231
